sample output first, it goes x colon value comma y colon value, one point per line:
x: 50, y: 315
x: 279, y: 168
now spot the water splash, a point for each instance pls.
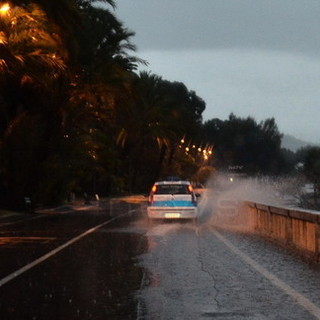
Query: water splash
x: 222, y: 202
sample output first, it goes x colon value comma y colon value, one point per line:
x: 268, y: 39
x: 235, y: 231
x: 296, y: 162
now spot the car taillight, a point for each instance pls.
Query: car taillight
x: 193, y: 197
x: 153, y: 190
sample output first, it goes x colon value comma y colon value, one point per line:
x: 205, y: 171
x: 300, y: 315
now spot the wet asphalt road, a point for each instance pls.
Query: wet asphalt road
x: 111, y: 264
x: 95, y: 277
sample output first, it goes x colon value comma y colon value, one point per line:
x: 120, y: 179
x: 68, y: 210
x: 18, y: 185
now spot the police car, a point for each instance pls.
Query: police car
x: 172, y: 200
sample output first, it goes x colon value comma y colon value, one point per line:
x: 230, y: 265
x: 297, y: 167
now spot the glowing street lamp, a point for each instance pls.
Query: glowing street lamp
x: 4, y: 8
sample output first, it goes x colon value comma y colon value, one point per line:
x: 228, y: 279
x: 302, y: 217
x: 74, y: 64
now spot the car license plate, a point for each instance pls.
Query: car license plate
x: 172, y: 215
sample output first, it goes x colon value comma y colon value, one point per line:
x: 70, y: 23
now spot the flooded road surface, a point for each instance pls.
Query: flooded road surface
x: 202, y: 272
x: 117, y: 266
x: 80, y: 275
x: 208, y: 274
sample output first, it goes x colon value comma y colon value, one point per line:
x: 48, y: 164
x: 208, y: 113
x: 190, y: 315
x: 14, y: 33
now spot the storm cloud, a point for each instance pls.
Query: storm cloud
x: 251, y: 57
x: 291, y: 25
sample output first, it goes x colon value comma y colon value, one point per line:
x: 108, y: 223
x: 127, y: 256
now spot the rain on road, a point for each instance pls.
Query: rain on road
x: 111, y: 264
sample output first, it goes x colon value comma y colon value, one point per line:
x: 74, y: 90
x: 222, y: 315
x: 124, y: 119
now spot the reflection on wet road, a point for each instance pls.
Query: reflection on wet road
x: 95, y: 277
x: 201, y: 273
x: 128, y: 269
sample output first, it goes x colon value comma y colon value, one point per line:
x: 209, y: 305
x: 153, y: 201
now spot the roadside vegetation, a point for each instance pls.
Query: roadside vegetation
x: 76, y: 115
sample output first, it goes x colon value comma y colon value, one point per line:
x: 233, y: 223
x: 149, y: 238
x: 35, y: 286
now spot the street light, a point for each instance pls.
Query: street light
x: 4, y: 8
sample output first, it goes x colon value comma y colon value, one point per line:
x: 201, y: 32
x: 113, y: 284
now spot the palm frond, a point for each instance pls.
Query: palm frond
x: 30, y: 49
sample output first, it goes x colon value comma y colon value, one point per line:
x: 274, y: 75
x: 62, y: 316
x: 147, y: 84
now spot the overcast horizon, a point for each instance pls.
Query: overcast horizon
x: 251, y: 57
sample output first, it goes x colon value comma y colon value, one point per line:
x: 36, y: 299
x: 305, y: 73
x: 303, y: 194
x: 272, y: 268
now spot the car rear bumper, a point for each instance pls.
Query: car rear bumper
x: 172, y: 212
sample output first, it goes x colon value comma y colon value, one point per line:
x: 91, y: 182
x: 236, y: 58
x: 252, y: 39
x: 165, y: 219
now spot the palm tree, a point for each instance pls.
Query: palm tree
x: 151, y: 124
x: 32, y: 71
x: 30, y: 55
x: 144, y: 132
x: 28, y: 43
x: 65, y: 15
x: 71, y: 103
x: 101, y: 82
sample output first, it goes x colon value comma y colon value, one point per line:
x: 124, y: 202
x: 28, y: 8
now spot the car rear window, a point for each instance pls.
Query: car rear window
x: 172, y: 189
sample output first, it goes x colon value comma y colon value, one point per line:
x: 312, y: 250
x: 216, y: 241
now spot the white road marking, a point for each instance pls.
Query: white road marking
x: 29, y: 266
x: 296, y: 296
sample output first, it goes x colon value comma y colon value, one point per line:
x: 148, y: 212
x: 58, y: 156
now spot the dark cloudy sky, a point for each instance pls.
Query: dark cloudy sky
x: 258, y: 58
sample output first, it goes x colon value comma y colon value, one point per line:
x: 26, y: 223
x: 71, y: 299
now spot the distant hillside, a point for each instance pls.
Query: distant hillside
x: 292, y: 143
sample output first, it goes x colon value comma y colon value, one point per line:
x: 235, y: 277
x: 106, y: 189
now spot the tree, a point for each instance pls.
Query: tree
x: 64, y: 14
x: 143, y: 131
x: 31, y: 73
x: 312, y: 172
x: 151, y: 123
x: 101, y: 85
x: 72, y: 106
x: 244, y: 142
x: 70, y: 102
